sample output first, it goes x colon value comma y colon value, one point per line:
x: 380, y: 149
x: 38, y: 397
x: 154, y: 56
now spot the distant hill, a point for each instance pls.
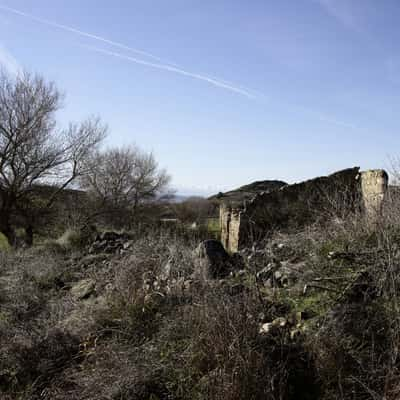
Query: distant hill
x: 247, y: 192
x: 179, y: 198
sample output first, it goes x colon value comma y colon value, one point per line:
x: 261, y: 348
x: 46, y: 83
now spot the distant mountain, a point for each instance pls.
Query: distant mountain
x: 247, y: 192
x: 179, y: 198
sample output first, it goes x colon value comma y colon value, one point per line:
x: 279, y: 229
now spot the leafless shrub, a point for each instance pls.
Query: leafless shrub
x: 120, y: 180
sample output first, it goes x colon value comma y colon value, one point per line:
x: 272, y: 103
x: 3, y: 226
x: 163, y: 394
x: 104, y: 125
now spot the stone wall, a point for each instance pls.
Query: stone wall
x: 294, y: 206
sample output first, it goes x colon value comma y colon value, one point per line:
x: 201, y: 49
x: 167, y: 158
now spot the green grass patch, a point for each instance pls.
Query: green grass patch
x: 316, y: 303
x: 4, y: 245
x: 213, y: 227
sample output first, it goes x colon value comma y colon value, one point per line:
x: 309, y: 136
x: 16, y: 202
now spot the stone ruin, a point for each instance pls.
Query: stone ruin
x: 298, y: 205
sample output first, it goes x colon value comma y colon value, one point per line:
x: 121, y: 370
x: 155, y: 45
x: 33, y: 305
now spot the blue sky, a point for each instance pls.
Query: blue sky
x: 224, y: 92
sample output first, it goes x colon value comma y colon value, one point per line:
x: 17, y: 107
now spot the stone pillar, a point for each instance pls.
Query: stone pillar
x: 234, y: 231
x: 229, y: 219
x: 224, y: 222
x: 374, y: 188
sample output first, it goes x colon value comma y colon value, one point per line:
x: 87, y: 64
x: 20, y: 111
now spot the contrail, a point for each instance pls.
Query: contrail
x: 165, y: 67
x: 163, y: 64
x: 82, y: 33
x: 324, y: 117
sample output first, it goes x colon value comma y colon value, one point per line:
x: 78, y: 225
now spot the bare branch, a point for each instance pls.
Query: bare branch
x: 124, y: 177
x: 32, y: 149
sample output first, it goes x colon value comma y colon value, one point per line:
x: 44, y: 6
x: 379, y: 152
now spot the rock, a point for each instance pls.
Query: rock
x: 240, y: 273
x: 292, y: 324
x: 265, y: 273
x: 282, y: 277
x: 265, y: 328
x: 83, y: 289
x: 283, y: 274
x: 275, y: 324
x: 127, y: 245
x: 279, y: 277
x: 111, y: 243
x: 214, y: 261
x: 268, y: 272
x: 109, y: 236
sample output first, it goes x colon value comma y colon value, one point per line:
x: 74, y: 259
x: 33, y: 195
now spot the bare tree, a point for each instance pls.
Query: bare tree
x: 124, y: 178
x: 33, y: 150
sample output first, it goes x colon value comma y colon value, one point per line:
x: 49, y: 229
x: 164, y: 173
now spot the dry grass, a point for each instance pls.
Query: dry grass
x: 146, y: 334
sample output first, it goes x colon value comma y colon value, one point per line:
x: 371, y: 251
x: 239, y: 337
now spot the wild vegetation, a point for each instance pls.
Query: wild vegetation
x: 39, y: 160
x: 153, y: 310
x: 309, y: 315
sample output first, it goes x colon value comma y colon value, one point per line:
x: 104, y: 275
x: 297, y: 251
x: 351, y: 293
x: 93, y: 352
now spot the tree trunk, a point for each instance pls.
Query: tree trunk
x: 29, y: 236
x: 6, y: 228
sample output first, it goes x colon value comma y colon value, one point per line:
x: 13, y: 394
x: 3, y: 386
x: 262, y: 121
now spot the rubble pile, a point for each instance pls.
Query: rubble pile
x: 111, y: 243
